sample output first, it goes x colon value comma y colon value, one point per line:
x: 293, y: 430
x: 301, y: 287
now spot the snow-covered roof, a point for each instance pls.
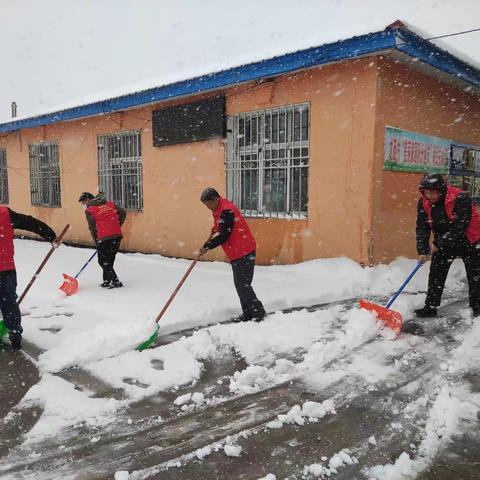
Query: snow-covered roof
x: 396, y: 37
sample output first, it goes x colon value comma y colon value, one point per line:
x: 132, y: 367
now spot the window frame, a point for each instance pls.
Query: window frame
x: 272, y: 160
x: 45, y: 177
x: 4, y: 196
x: 124, y: 150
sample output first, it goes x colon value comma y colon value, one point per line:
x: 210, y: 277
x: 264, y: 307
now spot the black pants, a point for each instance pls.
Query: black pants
x: 242, y: 277
x: 8, y: 304
x: 107, y: 250
x: 441, y: 261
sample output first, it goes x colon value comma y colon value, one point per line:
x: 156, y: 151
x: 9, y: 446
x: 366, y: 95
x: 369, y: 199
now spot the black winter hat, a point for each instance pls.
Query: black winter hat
x: 86, y: 196
x: 209, y: 194
x: 433, y: 181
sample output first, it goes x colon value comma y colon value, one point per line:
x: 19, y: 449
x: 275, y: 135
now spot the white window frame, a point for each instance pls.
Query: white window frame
x: 267, y: 161
x: 120, y: 170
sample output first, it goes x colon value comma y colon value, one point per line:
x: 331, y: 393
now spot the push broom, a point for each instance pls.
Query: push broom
x: 390, y: 318
x: 3, y: 328
x: 154, y: 336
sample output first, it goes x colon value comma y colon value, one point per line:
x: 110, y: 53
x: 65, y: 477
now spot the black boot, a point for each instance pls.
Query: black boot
x: 115, y: 284
x: 16, y: 341
x: 258, y: 312
x: 259, y: 317
x: 476, y: 312
x: 105, y: 284
x: 426, y: 311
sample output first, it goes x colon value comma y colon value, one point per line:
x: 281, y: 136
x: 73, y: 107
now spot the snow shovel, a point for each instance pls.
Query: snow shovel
x: 390, y: 318
x: 3, y: 328
x: 70, y: 284
x: 153, y: 337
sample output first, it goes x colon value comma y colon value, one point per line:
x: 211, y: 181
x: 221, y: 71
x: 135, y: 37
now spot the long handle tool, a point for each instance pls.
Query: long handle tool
x: 70, y: 284
x: 3, y: 328
x: 391, y: 318
x: 153, y: 338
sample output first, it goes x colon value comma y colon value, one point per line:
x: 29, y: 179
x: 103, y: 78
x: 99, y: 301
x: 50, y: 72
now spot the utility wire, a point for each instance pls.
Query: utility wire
x: 447, y: 35
x: 453, y: 34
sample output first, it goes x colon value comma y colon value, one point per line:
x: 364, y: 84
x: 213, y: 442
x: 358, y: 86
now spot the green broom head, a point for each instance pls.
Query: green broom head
x: 150, y: 341
x: 3, y: 329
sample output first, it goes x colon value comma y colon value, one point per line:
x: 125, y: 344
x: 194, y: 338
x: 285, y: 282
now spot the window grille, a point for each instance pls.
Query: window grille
x: 3, y: 176
x: 268, y: 156
x: 120, y: 173
x: 44, y: 174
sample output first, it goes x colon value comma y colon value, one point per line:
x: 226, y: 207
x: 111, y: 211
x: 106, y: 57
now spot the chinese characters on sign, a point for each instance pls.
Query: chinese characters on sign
x: 412, y: 152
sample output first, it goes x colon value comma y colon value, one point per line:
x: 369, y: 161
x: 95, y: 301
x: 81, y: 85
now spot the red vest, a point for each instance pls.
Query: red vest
x: 6, y: 241
x: 241, y: 241
x: 473, y: 230
x: 106, y: 220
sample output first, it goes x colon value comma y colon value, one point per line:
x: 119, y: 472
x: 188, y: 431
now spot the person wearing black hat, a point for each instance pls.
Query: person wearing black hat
x: 447, y: 212
x: 105, y: 220
x: 230, y: 230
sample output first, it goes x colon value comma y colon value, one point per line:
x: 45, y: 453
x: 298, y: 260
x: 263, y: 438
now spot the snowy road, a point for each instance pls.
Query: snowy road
x: 308, y: 393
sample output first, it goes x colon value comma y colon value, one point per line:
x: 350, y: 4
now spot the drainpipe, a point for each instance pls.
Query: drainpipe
x: 14, y: 109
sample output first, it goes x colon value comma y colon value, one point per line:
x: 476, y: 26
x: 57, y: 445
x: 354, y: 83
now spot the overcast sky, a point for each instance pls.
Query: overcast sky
x: 57, y: 51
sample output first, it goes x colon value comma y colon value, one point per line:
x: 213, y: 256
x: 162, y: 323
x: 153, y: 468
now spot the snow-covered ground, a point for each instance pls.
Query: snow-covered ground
x: 97, y: 329
x: 98, y: 326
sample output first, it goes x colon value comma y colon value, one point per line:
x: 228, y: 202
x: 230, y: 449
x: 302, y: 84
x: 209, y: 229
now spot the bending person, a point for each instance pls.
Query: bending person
x: 9, y: 221
x: 105, y: 220
x: 447, y: 213
x: 230, y: 230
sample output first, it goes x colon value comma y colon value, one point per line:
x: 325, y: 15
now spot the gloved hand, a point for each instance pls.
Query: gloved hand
x: 423, y: 258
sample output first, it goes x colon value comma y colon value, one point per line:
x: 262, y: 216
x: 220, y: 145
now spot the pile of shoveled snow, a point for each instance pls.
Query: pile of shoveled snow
x: 255, y: 377
x: 337, y: 461
x: 309, y: 411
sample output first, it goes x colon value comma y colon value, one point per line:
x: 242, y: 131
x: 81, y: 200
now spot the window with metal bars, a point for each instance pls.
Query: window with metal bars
x: 45, y: 174
x: 268, y: 154
x: 120, y: 173
x: 3, y: 176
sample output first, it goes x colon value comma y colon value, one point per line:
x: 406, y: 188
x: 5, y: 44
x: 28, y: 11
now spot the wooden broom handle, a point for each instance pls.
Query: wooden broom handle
x: 172, y: 296
x: 45, y: 260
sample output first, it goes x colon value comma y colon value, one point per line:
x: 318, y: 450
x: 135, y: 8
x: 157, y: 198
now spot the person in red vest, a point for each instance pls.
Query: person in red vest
x: 449, y: 214
x: 230, y: 230
x: 10, y: 220
x: 105, y: 220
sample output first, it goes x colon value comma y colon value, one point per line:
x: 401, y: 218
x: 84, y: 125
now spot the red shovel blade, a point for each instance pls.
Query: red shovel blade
x: 69, y: 285
x: 390, y: 318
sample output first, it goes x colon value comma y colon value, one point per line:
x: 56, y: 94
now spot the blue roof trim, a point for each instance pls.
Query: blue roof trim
x: 399, y: 38
x: 287, y: 63
x: 417, y: 47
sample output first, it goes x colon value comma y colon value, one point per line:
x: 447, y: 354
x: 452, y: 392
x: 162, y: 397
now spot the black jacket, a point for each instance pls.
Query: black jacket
x: 225, y: 225
x: 31, y: 224
x: 448, y: 235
